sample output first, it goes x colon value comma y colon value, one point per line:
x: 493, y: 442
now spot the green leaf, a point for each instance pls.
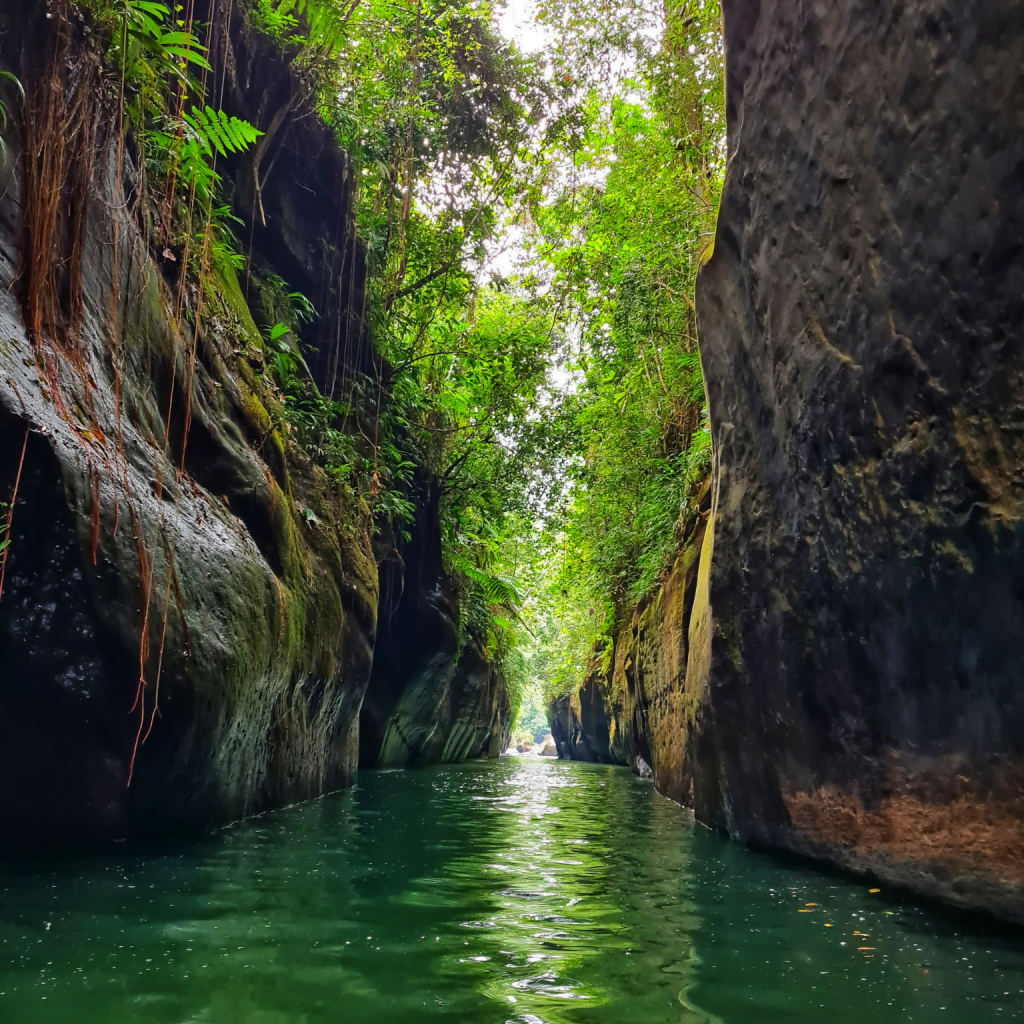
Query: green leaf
x: 150, y: 7
x: 220, y: 132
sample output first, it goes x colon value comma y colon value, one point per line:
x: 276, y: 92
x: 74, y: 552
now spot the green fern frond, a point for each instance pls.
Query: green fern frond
x: 496, y: 589
x: 220, y: 132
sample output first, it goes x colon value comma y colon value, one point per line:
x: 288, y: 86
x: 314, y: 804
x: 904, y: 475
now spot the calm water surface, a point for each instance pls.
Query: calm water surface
x: 523, y: 891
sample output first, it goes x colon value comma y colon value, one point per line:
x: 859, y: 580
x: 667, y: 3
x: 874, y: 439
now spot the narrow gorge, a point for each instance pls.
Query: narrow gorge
x: 387, y: 386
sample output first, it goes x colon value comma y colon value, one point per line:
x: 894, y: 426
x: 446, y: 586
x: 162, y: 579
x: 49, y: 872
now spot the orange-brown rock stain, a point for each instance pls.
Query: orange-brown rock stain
x: 985, y: 837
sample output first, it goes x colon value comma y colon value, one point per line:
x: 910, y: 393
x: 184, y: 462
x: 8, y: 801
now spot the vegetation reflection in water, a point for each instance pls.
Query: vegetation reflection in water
x: 523, y: 891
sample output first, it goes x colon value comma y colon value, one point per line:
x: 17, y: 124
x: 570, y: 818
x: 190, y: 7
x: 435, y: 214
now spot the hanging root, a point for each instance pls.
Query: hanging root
x: 60, y: 144
x: 10, y: 512
x: 94, y: 487
x: 145, y: 577
x: 138, y: 734
x: 160, y: 658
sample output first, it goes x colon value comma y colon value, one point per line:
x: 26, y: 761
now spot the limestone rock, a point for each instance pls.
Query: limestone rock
x: 860, y: 693
x: 170, y: 612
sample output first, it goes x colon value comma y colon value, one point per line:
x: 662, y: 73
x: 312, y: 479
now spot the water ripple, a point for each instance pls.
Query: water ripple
x: 518, y: 892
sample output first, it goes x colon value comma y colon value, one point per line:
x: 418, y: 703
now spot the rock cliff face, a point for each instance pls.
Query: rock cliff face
x: 188, y: 603
x: 634, y: 711
x: 433, y: 694
x: 854, y: 652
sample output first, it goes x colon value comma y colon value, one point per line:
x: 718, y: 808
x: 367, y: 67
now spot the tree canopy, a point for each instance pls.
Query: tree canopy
x: 533, y: 223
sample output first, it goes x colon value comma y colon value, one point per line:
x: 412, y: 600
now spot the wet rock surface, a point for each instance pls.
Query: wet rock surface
x: 189, y: 607
x: 835, y: 665
x: 861, y: 698
x: 187, y: 603
x: 433, y: 694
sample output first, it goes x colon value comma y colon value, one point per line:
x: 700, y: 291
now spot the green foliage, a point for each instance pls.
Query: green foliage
x: 471, y: 383
x: 154, y: 56
x: 620, y: 233
x: 313, y: 25
x: 379, y: 474
x: 498, y: 591
x: 532, y: 722
x: 152, y: 45
x: 215, y: 131
x: 559, y: 410
x: 557, y: 407
x: 7, y: 76
x: 433, y: 104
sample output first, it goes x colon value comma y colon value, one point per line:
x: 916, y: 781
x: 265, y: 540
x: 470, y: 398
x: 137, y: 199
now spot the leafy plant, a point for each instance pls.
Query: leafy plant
x: 285, y: 363
x: 147, y: 45
x: 215, y: 131
x: 7, y: 76
x: 302, y: 307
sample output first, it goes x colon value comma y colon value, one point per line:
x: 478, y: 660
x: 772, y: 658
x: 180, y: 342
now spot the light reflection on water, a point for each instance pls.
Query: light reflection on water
x: 524, y: 891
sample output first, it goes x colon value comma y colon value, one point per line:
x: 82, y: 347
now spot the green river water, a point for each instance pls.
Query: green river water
x: 525, y: 891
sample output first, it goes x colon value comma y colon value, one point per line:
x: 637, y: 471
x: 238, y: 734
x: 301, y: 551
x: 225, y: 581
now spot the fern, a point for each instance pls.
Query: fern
x: 220, y: 132
x: 496, y: 590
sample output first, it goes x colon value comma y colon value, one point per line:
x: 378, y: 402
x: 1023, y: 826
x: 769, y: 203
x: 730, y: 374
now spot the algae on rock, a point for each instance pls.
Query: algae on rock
x: 190, y: 606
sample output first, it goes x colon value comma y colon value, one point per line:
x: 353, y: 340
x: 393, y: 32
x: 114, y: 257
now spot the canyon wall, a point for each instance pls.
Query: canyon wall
x: 633, y: 707
x: 189, y: 604
x: 434, y: 696
x: 847, y: 682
